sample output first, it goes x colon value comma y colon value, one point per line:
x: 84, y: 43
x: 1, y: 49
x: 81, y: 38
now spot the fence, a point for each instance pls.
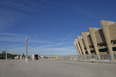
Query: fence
x: 87, y: 57
x: 68, y: 58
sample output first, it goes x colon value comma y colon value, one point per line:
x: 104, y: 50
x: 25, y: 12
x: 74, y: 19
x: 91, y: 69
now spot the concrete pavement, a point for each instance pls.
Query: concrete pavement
x: 52, y: 68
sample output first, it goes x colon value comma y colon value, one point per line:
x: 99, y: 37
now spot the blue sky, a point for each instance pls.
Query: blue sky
x: 50, y: 25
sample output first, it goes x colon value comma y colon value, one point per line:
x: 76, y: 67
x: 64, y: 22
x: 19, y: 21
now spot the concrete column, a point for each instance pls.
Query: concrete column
x: 6, y: 52
x: 105, y: 29
x: 80, y: 50
x: 81, y: 44
x: 26, y: 58
x: 77, y: 49
x: 84, y: 35
x: 93, y: 37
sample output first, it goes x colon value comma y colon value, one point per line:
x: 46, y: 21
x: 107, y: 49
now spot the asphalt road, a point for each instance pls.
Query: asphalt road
x: 52, y: 68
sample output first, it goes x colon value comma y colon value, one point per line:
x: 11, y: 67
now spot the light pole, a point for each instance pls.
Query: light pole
x: 6, y: 52
x: 26, y: 58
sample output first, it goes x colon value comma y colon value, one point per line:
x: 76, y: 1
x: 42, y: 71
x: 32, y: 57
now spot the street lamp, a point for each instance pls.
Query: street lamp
x: 26, y: 58
x: 6, y: 52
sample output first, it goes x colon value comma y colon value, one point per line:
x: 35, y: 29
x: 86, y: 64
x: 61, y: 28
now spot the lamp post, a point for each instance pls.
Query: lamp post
x: 6, y: 52
x: 26, y: 58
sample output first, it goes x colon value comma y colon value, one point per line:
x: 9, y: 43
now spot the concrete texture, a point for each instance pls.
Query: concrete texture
x: 105, y: 25
x: 99, y: 41
x: 86, y: 41
x: 93, y: 37
x: 77, y: 48
x: 52, y: 68
x: 81, y: 43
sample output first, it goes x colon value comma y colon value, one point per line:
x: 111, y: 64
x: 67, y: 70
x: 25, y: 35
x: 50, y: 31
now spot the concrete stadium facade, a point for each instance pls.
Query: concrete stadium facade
x: 98, y: 41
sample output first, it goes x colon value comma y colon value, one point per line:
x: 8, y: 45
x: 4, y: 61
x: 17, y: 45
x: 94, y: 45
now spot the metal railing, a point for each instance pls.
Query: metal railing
x: 67, y: 58
x: 87, y: 57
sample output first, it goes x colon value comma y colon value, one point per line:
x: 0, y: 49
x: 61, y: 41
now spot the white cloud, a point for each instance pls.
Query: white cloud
x: 48, y: 48
x: 54, y: 51
x: 13, y: 37
x: 8, y: 18
x: 43, y: 46
x: 10, y: 34
x: 60, y: 51
x: 15, y: 11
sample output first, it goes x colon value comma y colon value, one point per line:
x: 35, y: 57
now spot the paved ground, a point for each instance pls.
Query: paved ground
x: 47, y: 68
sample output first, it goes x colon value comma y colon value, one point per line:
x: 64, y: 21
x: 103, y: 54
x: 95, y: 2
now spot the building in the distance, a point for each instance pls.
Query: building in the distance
x: 3, y: 52
x: 35, y: 57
